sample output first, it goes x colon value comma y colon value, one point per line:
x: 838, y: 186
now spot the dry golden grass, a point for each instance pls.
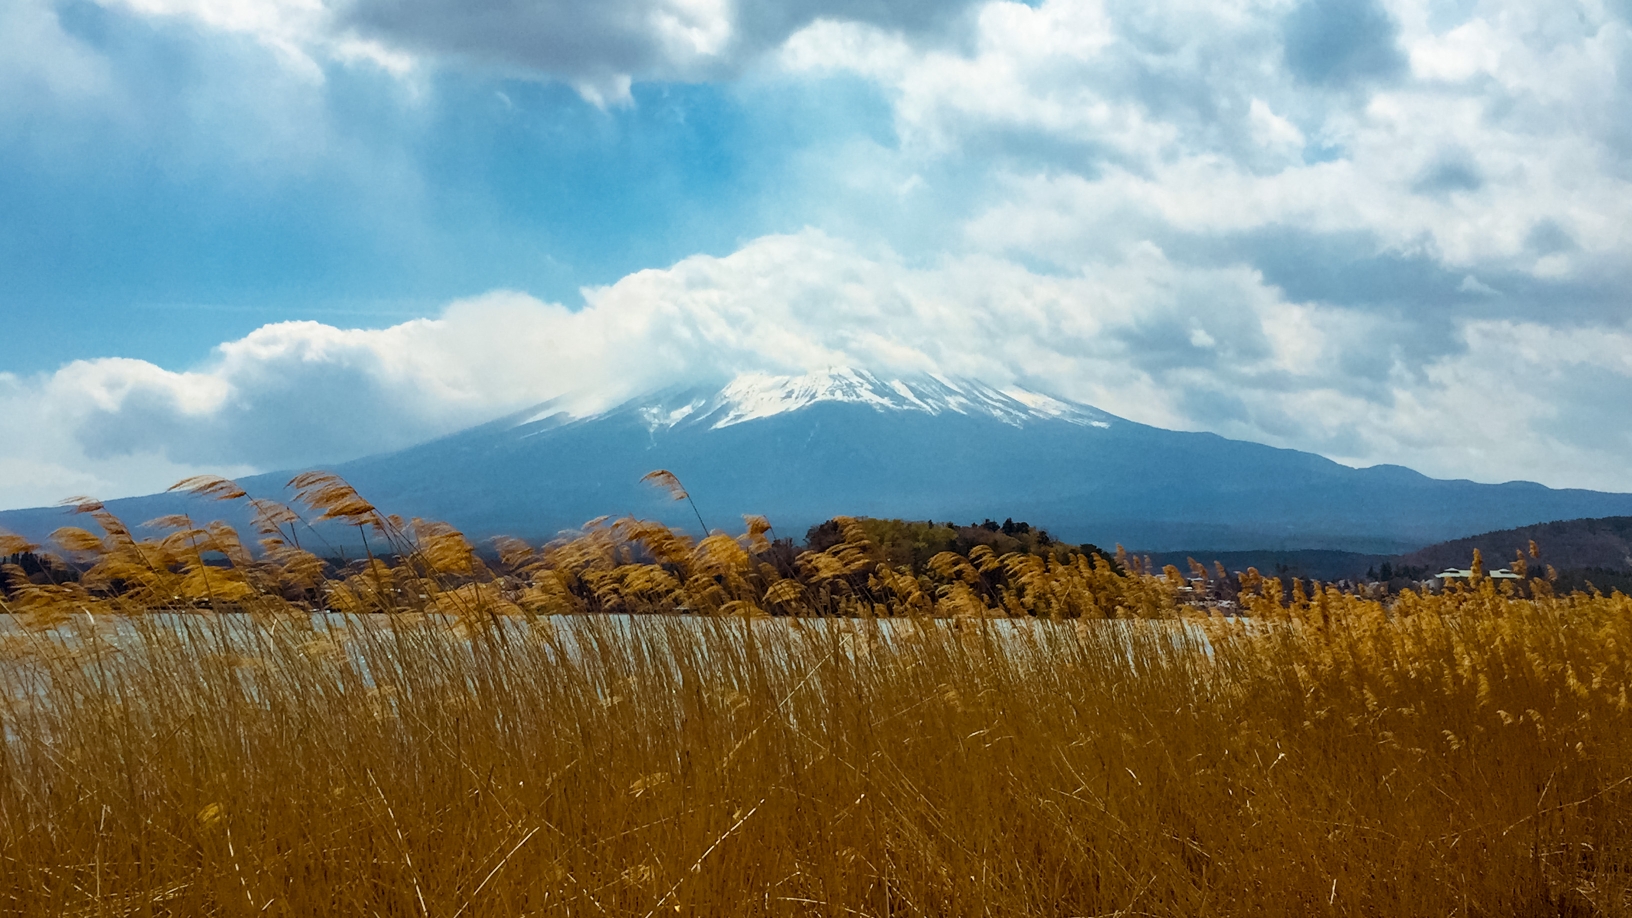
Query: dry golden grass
x: 470, y: 754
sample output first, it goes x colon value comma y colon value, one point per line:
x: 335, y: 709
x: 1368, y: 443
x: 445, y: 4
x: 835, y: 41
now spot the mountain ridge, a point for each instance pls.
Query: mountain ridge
x: 757, y: 396
x: 844, y: 442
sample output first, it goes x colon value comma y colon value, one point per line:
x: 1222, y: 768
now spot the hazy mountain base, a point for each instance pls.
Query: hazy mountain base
x: 1312, y: 564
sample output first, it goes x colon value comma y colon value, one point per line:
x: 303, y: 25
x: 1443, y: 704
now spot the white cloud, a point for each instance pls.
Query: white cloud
x: 1521, y: 400
x: 1111, y: 125
x: 302, y: 32
x: 599, y: 48
x: 1187, y: 115
x: 1031, y: 71
x: 42, y: 66
x: 1126, y: 335
x: 1274, y: 132
x: 1111, y: 171
x: 41, y: 458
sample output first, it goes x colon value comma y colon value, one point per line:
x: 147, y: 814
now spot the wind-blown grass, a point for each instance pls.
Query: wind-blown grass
x: 467, y: 753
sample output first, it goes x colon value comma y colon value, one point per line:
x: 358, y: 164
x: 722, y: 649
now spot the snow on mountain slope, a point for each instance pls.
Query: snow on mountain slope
x: 756, y: 396
x: 801, y: 449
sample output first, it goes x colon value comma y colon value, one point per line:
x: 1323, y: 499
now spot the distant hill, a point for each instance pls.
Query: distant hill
x: 1604, y: 543
x: 803, y: 449
x: 1586, y: 553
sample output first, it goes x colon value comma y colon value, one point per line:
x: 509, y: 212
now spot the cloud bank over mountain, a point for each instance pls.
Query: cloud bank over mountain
x: 1384, y: 231
x: 1123, y: 337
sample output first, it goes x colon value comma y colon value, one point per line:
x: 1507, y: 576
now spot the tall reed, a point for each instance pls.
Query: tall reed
x: 218, y: 749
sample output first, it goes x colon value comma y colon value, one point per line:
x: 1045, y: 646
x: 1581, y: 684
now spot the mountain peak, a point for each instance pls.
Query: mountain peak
x: 800, y: 449
x: 755, y: 396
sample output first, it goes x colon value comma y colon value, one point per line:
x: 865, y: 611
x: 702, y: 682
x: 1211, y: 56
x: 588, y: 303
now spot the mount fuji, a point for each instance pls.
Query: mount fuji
x: 801, y: 449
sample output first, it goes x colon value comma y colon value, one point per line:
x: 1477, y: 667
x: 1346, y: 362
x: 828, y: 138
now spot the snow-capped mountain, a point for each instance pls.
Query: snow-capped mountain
x: 800, y: 449
x: 757, y: 396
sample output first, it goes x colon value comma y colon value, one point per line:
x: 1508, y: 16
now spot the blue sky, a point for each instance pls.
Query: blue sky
x: 248, y: 234
x: 198, y: 217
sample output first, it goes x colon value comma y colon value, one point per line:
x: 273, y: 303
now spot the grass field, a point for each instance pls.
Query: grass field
x: 185, y: 733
